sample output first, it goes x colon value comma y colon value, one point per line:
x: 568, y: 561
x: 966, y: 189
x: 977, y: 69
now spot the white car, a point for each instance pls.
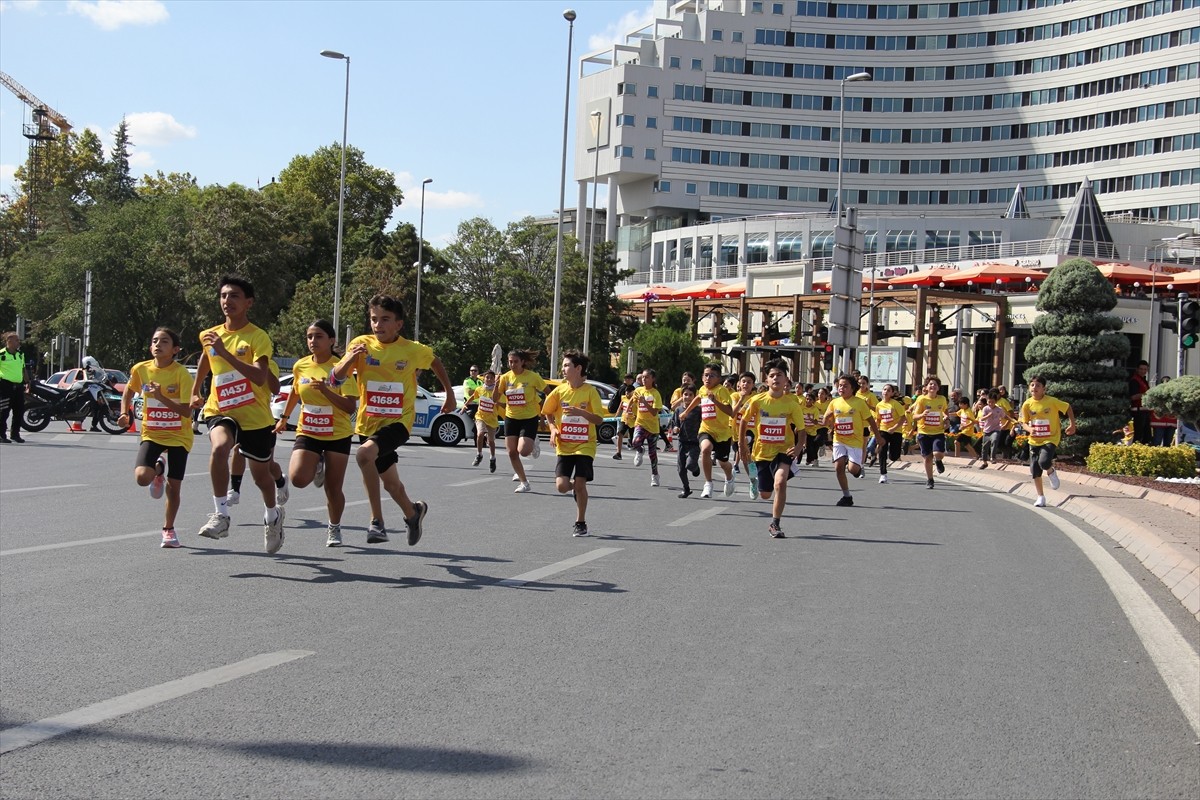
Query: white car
x: 428, y: 422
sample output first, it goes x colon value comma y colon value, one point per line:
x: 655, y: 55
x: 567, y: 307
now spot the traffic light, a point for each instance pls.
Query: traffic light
x: 1189, y: 323
x: 828, y: 356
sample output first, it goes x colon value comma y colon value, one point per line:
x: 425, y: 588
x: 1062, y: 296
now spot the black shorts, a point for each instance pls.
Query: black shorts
x: 256, y: 445
x: 931, y: 443
x: 624, y: 428
x: 314, y: 445
x: 575, y: 466
x: 521, y: 427
x: 767, y: 470
x: 720, y: 449
x: 177, y: 457
x: 388, y: 439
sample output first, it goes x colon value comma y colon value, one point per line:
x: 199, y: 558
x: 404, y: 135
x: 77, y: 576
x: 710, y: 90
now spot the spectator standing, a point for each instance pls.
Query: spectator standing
x: 14, y: 382
x: 1138, y: 386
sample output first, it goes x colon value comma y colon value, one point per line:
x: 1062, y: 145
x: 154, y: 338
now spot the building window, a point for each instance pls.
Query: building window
x: 651, y: 122
x: 662, y: 186
x: 777, y: 9
x: 626, y: 121
x: 697, y: 63
x: 737, y: 37
x: 756, y: 7
x: 718, y: 35
x: 624, y: 151
x: 651, y: 91
x: 650, y: 154
x: 673, y: 62
x: 629, y: 89
x: 690, y: 188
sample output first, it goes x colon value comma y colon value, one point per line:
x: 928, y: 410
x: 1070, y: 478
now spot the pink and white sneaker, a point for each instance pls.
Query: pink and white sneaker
x: 169, y: 539
x: 159, y: 484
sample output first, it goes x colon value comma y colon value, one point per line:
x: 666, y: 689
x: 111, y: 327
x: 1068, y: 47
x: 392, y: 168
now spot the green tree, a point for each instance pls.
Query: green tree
x: 1078, y: 349
x: 1176, y: 398
x: 665, y: 344
x: 116, y: 184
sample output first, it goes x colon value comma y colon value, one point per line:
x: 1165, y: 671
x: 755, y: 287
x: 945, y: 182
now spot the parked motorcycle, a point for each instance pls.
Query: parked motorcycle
x: 76, y: 403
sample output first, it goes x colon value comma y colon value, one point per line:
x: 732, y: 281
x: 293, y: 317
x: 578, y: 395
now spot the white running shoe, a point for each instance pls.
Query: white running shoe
x: 1040, y: 502
x: 516, y: 477
x: 159, y: 484
x: 319, y: 477
x: 233, y: 499
x: 707, y: 490
x: 522, y: 487
x: 273, y: 532
x: 537, y: 447
x: 637, y: 458
x: 217, y: 527
x: 730, y: 488
x: 654, y: 480
x: 883, y: 479
x: 1054, y: 481
x: 282, y: 493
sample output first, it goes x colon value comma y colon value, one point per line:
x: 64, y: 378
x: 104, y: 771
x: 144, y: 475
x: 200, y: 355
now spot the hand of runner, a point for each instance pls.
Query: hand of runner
x: 449, y: 403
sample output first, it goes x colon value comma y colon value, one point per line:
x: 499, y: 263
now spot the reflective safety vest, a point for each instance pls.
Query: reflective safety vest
x: 12, y: 366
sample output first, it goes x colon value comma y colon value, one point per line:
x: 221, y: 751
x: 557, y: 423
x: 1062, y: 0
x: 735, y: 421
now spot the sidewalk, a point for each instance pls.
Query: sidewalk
x: 1160, y: 528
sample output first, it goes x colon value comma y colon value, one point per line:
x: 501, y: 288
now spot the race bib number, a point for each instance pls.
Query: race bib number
x: 843, y: 426
x: 1039, y: 428
x: 574, y: 430
x: 161, y: 418
x: 486, y: 404
x: 515, y: 396
x: 708, y: 409
x: 316, y: 419
x: 646, y: 403
x: 885, y: 415
x: 772, y: 430
x: 385, y: 399
x: 809, y: 420
x: 933, y: 419
x: 233, y: 390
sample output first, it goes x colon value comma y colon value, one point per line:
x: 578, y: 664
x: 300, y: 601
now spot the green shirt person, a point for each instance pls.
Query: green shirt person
x: 14, y: 377
x: 472, y: 383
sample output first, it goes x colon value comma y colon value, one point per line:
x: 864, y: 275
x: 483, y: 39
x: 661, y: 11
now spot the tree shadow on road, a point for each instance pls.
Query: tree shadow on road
x: 829, y: 537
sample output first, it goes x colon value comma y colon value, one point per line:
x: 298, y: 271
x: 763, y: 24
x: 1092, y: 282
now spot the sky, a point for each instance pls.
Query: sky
x: 467, y: 93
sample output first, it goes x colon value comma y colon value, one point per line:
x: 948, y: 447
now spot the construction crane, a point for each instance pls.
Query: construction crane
x: 46, y: 126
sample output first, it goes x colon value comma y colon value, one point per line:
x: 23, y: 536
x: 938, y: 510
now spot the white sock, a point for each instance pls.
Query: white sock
x: 221, y: 504
x: 270, y: 514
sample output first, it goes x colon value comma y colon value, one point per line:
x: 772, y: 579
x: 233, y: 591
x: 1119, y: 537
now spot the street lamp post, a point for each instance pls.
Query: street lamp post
x: 337, y: 269
x: 569, y: 15
x: 858, y: 76
x: 420, y: 265
x: 591, y: 233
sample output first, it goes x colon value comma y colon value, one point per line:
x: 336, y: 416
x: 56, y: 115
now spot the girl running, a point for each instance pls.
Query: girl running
x: 519, y: 388
x: 483, y: 397
x: 166, y: 387
x: 929, y: 413
x: 1040, y: 416
x: 849, y: 417
x: 322, y: 447
x: 889, y: 416
x: 574, y: 410
x: 648, y: 403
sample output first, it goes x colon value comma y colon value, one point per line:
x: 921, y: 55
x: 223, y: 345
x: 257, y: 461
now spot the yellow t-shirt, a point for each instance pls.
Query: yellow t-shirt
x: 867, y: 397
x: 486, y: 412
x: 387, y: 381
x: 822, y: 406
x: 628, y: 412
x: 233, y: 395
x: 966, y: 421
x: 850, y: 418
x: 713, y: 421
x: 812, y: 415
x: 520, y: 394
x: 647, y: 402
x: 1041, y: 419
x: 319, y: 418
x: 889, y: 414
x: 159, y: 423
x: 930, y: 414
x: 576, y: 435
x: 773, y: 420
x: 1004, y: 403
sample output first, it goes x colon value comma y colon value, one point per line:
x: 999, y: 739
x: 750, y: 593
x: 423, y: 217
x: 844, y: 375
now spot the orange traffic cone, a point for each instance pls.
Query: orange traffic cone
x: 132, y: 424
x: 77, y: 427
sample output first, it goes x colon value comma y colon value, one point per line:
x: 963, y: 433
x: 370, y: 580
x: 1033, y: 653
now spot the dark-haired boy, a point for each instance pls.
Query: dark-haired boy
x: 774, y: 414
x: 238, y: 410
x: 385, y: 364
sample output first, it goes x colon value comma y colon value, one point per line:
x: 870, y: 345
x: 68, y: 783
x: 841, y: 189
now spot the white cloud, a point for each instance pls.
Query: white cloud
x: 151, y: 128
x: 18, y: 5
x: 141, y: 161
x: 451, y: 199
x: 615, y: 32
x: 8, y: 180
x: 109, y: 15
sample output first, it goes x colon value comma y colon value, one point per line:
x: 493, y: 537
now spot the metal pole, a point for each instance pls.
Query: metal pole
x: 841, y: 141
x: 569, y: 16
x: 337, y: 269
x: 87, y: 316
x: 420, y: 265
x: 597, y: 118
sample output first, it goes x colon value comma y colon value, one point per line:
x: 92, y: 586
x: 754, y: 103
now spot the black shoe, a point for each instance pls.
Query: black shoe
x: 376, y: 533
x: 16, y: 437
x: 940, y: 467
x: 580, y: 529
x: 775, y: 531
x: 4, y: 439
x: 846, y: 500
x: 420, y: 509
x: 929, y: 483
x: 684, y: 493
x: 616, y: 456
x: 492, y: 465
x: 94, y: 429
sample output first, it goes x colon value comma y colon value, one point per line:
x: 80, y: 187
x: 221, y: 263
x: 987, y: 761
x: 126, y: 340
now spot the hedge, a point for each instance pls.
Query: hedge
x: 1141, y: 459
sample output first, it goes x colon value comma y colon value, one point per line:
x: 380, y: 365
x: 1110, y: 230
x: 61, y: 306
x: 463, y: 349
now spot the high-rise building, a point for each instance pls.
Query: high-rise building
x: 732, y: 108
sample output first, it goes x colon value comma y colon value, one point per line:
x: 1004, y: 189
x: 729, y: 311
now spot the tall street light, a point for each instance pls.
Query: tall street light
x: 596, y: 117
x: 420, y: 265
x: 569, y: 16
x: 858, y: 76
x: 337, y: 270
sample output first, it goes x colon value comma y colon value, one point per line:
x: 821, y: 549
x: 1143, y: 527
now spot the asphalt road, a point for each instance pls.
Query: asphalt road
x: 945, y: 643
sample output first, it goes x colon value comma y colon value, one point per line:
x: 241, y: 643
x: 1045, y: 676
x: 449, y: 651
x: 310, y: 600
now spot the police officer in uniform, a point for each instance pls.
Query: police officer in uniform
x: 13, y: 380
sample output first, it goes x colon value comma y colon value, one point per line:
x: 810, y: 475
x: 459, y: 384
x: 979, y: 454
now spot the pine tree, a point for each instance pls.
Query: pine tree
x: 1078, y: 348
x: 117, y: 185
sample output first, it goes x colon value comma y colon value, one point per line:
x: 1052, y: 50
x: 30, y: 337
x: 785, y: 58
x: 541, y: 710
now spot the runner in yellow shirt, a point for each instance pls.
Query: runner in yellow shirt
x: 889, y: 418
x: 1040, y: 417
x: 929, y: 414
x: 648, y: 403
x: 847, y: 416
x: 574, y: 411
x: 166, y: 388
x: 483, y: 398
x: 716, y: 428
x: 519, y: 387
x: 322, y: 448
x: 773, y: 413
x: 385, y: 366
x: 238, y: 409
x: 739, y: 399
x: 865, y: 394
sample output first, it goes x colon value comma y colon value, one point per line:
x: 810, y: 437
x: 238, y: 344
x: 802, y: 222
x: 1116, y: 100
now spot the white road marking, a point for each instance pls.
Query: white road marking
x: 36, y: 732
x: 695, y: 516
x: 561, y: 566
x: 77, y: 543
x: 1176, y: 661
x: 322, y: 508
x: 44, y: 488
x: 472, y: 483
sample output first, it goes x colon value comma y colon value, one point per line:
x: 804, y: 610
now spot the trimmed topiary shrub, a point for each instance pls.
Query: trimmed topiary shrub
x: 1078, y: 348
x: 1176, y: 398
x: 1142, y: 459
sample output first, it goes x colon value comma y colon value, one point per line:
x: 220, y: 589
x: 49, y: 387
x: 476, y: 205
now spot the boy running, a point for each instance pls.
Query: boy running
x: 648, y: 402
x: 1040, y: 416
x: 385, y: 365
x: 848, y: 417
x: 238, y: 409
x: 686, y: 429
x: 929, y: 414
x: 773, y: 413
x: 573, y: 410
x: 166, y: 387
x: 482, y: 399
x: 716, y: 428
